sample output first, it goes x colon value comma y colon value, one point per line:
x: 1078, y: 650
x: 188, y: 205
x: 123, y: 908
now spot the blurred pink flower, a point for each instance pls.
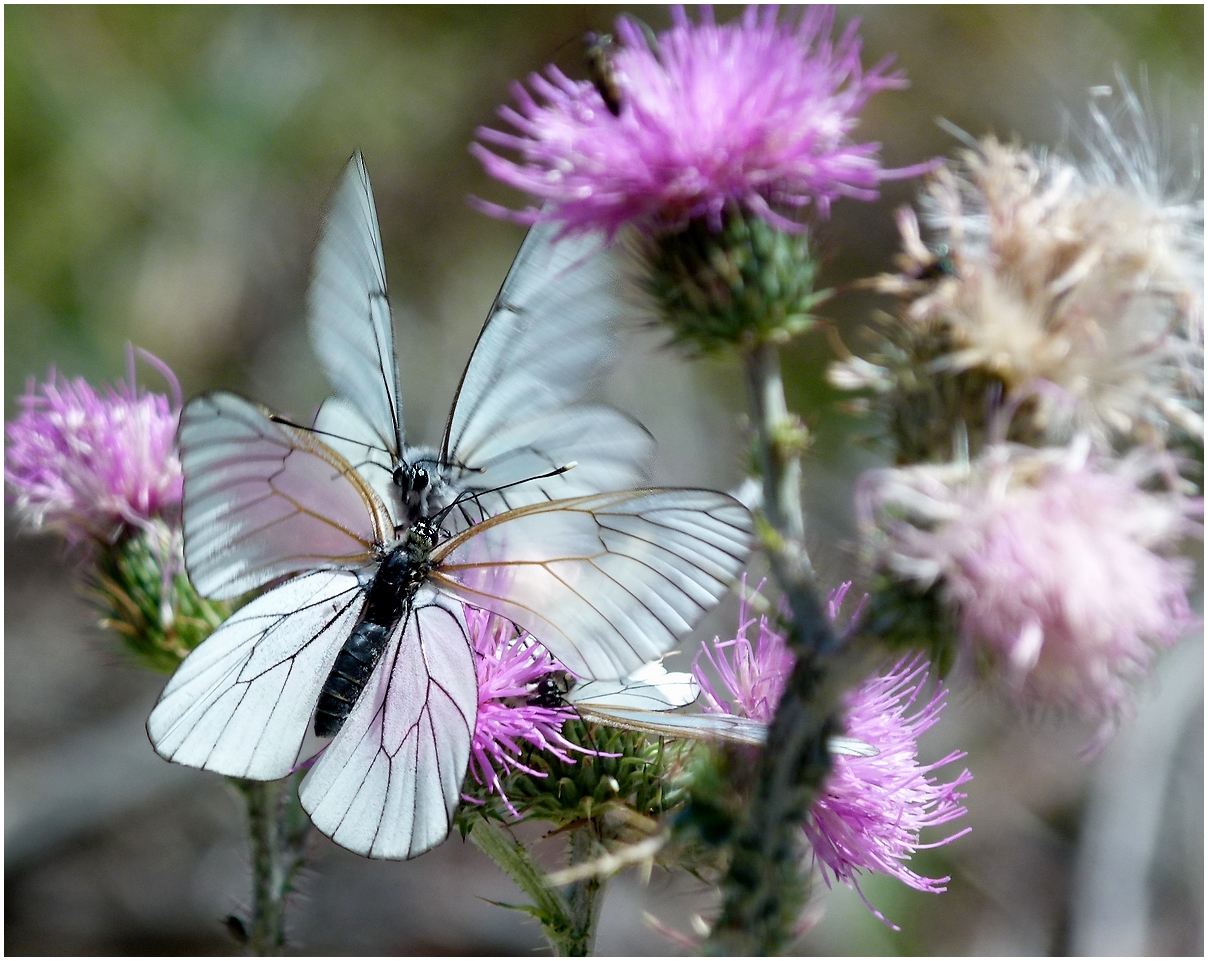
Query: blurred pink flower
x: 509, y: 664
x: 754, y: 112
x: 83, y: 462
x: 871, y: 809
x: 1063, y: 572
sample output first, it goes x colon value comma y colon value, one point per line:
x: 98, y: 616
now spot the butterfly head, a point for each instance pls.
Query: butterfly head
x: 550, y: 691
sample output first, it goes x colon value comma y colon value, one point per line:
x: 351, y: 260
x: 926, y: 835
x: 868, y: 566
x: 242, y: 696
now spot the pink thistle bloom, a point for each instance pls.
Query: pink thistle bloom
x: 872, y: 809
x: 84, y: 462
x: 755, y: 113
x: 509, y: 664
x: 1063, y: 572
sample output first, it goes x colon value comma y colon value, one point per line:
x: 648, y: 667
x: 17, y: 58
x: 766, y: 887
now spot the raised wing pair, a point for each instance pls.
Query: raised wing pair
x: 368, y: 642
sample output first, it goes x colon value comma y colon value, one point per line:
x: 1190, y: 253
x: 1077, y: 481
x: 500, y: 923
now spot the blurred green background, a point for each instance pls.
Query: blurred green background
x: 165, y: 169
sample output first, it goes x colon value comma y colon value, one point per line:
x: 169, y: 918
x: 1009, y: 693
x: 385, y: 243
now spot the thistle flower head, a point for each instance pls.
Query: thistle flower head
x: 757, y: 114
x: 1073, y: 289
x: 85, y: 462
x: 872, y: 810
x: 1062, y: 571
x: 509, y: 664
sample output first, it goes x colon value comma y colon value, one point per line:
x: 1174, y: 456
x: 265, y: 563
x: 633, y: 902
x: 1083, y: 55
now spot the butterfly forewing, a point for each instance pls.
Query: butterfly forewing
x: 549, y: 333
x: 606, y: 582
x: 241, y: 703
x: 348, y: 311
x: 388, y: 784
x: 610, y: 452
x: 262, y: 499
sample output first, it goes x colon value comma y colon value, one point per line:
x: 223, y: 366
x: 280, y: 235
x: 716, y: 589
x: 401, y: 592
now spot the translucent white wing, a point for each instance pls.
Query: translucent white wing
x: 605, y: 582
x: 263, y: 499
x: 651, y: 687
x: 388, y: 784
x: 241, y: 703
x: 548, y: 335
x: 611, y: 453
x: 851, y: 747
x: 708, y: 727
x: 348, y: 311
x: 342, y: 428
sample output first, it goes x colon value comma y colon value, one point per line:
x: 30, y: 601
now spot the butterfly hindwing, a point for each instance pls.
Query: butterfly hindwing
x: 388, y: 784
x: 263, y: 499
x: 605, y: 582
x: 241, y: 703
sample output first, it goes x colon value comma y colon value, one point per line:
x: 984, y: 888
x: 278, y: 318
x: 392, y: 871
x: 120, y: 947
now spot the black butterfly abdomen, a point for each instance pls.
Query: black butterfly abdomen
x: 390, y: 596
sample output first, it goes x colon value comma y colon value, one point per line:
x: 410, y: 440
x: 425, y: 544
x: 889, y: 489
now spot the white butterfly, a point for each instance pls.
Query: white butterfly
x: 369, y: 640
x: 644, y: 702
x: 547, y: 337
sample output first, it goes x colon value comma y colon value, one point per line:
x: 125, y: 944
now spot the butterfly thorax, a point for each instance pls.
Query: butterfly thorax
x: 389, y: 598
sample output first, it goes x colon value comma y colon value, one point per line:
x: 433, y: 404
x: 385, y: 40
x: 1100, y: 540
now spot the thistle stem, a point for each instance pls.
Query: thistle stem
x: 764, y: 890
x: 277, y: 830
x: 582, y: 897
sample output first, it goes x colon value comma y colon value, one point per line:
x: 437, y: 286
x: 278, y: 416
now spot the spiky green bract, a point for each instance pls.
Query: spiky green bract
x: 627, y: 770
x: 147, y: 600
x: 905, y: 617
x: 743, y: 284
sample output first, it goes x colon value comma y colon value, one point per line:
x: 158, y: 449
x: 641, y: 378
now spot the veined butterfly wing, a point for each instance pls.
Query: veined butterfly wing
x: 241, y: 702
x: 606, y: 582
x: 645, y: 700
x: 263, y: 499
x: 349, y: 312
x: 388, y: 784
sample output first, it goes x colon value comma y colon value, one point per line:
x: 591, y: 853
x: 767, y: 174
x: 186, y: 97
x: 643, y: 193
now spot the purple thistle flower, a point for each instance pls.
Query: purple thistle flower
x: 1064, y: 572
x: 755, y: 113
x: 872, y: 809
x: 84, y: 462
x: 509, y: 664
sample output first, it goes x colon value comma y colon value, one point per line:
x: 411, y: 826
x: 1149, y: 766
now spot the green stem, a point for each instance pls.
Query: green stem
x: 277, y: 830
x: 582, y: 897
x: 568, y: 918
x: 764, y: 890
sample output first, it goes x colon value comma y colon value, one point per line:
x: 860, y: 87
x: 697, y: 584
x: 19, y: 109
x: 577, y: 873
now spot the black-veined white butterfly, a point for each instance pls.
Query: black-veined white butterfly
x: 646, y: 699
x: 606, y: 581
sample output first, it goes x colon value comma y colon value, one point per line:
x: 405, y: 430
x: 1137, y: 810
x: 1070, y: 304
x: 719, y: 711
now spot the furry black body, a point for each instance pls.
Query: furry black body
x: 388, y: 601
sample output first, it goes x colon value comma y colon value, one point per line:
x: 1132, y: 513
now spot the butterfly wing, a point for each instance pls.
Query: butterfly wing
x: 651, y: 687
x: 341, y: 427
x: 263, y: 499
x: 241, y: 702
x: 348, y: 312
x: 610, y: 451
x: 707, y: 727
x: 550, y: 332
x: 605, y: 582
x: 388, y: 784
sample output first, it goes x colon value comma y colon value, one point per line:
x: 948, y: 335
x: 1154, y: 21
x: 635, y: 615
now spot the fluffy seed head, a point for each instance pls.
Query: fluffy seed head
x: 1062, y: 571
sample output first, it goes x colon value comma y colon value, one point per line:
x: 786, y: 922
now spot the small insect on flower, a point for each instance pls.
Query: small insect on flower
x: 369, y: 639
x: 85, y: 462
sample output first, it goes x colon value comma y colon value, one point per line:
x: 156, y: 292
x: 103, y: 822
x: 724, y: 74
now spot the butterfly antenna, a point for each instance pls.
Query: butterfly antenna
x: 278, y: 419
x: 475, y: 494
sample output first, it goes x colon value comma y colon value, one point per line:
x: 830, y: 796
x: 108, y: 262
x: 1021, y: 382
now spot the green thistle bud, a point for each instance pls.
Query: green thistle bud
x: 747, y: 283
x: 146, y: 598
